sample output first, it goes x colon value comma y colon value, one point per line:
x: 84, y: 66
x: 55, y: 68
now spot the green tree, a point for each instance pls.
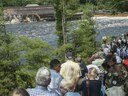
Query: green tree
x: 20, y: 57
x: 119, y: 5
x: 7, y: 3
x: 58, y: 17
x: 83, y: 39
x: 36, y: 52
x: 9, y: 64
x: 80, y: 41
x: 63, y: 10
x: 114, y: 5
x: 80, y: 35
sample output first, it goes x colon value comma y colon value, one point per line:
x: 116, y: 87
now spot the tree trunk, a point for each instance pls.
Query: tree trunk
x: 64, y: 24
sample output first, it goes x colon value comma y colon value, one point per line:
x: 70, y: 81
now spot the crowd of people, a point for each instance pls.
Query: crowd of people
x: 105, y: 74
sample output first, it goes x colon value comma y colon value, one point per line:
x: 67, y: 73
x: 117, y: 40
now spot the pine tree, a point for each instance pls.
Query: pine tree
x: 64, y: 9
x: 20, y: 57
x: 9, y: 64
x: 83, y: 39
x: 9, y: 60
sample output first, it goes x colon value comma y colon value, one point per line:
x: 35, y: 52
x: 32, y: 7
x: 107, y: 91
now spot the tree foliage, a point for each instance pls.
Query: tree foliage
x: 36, y: 52
x: 9, y: 64
x: 84, y: 36
x: 63, y: 10
x: 80, y: 35
x: 118, y: 5
x: 20, y: 57
x: 8, y: 3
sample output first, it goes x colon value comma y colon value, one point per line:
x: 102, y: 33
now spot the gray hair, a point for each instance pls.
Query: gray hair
x: 43, y: 76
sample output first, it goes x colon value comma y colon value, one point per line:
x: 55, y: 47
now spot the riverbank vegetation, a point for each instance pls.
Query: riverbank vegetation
x: 21, y: 56
x: 113, y: 5
x: 73, y: 36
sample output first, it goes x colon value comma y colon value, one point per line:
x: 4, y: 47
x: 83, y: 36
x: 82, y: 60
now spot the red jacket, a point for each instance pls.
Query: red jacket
x: 125, y: 62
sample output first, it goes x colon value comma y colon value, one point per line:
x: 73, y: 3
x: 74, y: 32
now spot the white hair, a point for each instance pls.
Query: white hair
x: 42, y: 76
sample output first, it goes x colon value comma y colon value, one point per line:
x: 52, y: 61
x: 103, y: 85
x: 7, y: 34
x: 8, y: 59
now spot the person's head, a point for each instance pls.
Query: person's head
x: 19, y: 92
x: 112, y: 61
x: 104, y: 39
x: 109, y: 62
x: 69, y: 55
x: 78, y: 59
x: 55, y: 64
x: 66, y: 86
x: 92, y: 73
x: 43, y: 76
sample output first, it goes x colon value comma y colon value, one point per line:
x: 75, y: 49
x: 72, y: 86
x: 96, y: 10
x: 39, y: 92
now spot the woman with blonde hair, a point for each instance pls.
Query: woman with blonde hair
x: 92, y: 85
x: 92, y: 74
x: 67, y: 88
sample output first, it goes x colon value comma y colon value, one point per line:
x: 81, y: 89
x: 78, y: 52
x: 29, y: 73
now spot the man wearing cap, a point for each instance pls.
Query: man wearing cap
x: 42, y: 81
x: 70, y: 70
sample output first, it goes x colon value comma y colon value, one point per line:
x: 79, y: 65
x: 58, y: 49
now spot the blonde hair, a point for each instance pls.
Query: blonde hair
x: 92, y: 73
x: 67, y: 84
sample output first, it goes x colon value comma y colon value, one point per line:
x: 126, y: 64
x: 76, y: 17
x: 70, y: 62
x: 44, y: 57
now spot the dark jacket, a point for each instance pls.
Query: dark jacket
x: 94, y: 88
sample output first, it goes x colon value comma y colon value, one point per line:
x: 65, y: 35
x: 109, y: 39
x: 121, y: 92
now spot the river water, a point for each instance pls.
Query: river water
x: 110, y: 26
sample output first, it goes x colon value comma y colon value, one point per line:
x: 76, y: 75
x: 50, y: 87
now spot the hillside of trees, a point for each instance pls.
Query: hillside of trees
x: 118, y: 5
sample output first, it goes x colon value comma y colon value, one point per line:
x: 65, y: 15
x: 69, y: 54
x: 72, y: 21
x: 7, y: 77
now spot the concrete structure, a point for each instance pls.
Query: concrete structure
x: 35, y: 12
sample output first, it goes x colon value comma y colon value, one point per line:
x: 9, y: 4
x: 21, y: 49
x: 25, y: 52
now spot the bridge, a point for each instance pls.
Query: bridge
x: 34, y: 12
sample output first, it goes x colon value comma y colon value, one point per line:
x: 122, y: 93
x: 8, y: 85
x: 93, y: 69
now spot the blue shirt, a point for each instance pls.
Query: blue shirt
x: 55, y: 81
x: 40, y: 91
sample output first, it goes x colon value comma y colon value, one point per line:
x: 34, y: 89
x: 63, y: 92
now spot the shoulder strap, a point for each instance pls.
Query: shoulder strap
x: 87, y: 86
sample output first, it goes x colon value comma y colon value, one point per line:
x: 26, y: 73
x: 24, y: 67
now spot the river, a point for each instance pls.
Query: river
x: 110, y: 26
